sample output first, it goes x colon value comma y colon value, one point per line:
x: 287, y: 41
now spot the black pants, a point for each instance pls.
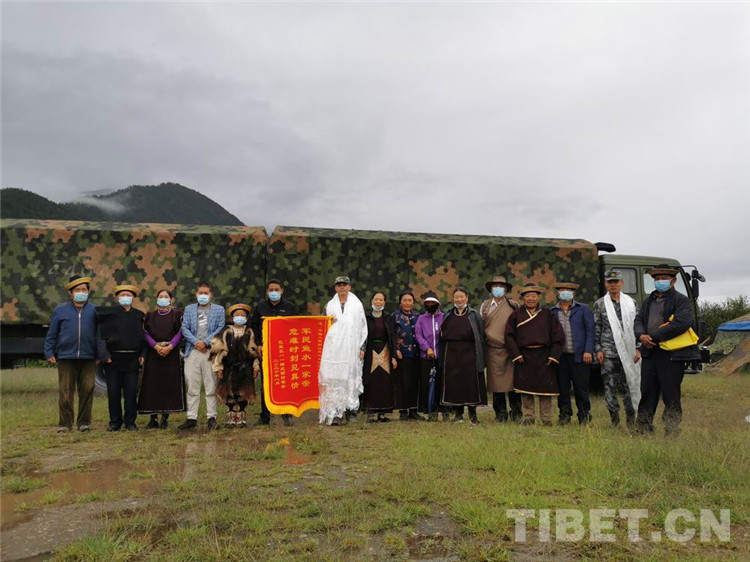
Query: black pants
x: 265, y: 414
x: 501, y: 408
x: 660, y: 376
x: 568, y: 371
x: 459, y: 411
x: 119, y: 384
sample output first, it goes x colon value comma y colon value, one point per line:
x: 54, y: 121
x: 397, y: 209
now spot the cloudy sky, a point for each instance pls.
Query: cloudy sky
x: 621, y: 122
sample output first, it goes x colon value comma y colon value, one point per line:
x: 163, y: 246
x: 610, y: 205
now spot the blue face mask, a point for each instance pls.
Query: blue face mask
x: 125, y: 301
x: 663, y: 285
x: 274, y: 296
x: 498, y: 292
x: 239, y: 320
x: 203, y: 299
x: 80, y: 297
x: 163, y: 302
x: 566, y: 295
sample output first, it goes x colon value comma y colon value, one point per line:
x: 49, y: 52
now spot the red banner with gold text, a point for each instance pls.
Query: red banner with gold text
x: 292, y: 346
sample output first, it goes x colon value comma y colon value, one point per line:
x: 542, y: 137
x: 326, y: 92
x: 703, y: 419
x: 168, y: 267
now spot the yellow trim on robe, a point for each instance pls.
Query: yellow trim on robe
x: 535, y: 393
x: 530, y: 318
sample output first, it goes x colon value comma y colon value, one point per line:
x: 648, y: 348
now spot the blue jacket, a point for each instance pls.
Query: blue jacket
x: 190, y: 325
x: 72, y: 332
x: 582, y: 324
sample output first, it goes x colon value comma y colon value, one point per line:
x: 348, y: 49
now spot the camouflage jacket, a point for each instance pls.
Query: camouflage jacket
x: 604, y: 340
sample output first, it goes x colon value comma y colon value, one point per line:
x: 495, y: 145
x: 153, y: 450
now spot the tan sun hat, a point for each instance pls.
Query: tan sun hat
x: 75, y: 281
x: 132, y: 288
x: 530, y: 288
x: 240, y: 306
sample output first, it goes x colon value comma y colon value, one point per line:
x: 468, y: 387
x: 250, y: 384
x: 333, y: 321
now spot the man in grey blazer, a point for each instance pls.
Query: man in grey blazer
x: 201, y: 321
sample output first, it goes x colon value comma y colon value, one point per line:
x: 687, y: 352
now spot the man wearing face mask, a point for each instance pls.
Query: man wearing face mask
x: 71, y: 344
x: 535, y: 342
x: 273, y: 305
x: 201, y: 322
x: 495, y: 313
x: 577, y: 322
x: 666, y: 314
x: 123, y: 349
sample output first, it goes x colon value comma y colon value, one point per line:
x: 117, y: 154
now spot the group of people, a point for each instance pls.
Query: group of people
x: 435, y: 363
x: 444, y: 362
x: 222, y: 358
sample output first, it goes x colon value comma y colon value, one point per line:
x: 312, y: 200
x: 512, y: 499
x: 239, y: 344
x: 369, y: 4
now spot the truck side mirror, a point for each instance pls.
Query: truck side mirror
x: 696, y: 287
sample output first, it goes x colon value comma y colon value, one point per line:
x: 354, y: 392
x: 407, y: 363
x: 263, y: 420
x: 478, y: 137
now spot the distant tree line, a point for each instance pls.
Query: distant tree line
x: 716, y: 313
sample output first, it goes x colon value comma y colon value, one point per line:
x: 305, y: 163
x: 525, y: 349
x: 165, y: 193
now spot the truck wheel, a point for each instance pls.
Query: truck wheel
x: 100, y: 383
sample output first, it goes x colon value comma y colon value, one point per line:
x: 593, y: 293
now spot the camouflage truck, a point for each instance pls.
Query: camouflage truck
x: 39, y: 256
x: 308, y: 259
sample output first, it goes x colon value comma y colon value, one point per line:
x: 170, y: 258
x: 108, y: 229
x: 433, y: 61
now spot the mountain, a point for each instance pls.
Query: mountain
x: 164, y: 203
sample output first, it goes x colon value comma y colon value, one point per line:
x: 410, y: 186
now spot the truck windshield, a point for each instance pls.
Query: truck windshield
x: 648, y: 284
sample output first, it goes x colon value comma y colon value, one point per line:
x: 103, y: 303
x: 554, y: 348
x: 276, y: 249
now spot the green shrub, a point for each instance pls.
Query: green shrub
x: 716, y: 313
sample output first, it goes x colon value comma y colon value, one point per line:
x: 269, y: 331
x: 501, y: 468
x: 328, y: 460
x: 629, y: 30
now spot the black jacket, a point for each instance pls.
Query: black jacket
x: 675, y: 304
x: 391, y: 338
x: 121, y: 331
x: 267, y: 310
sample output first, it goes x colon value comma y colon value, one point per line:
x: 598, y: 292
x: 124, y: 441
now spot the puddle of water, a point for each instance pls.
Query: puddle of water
x: 99, y: 476
x: 111, y: 475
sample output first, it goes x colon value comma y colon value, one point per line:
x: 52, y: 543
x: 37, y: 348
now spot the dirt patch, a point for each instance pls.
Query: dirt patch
x: 428, y: 540
x: 58, y: 526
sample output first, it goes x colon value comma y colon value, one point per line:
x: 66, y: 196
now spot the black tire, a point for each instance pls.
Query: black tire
x: 100, y: 383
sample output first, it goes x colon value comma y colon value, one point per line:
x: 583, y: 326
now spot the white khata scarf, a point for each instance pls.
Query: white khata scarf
x: 625, y: 342
x: 340, y: 375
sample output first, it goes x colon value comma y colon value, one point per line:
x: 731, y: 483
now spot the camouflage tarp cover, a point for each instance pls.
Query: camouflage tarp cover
x: 308, y: 259
x: 38, y: 257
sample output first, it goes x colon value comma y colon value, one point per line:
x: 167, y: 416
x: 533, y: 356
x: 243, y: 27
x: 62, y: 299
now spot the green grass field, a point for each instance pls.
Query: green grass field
x: 430, y: 491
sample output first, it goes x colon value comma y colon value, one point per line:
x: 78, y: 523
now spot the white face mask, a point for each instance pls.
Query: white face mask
x: 239, y: 320
x: 566, y: 295
x: 378, y: 308
x: 498, y: 292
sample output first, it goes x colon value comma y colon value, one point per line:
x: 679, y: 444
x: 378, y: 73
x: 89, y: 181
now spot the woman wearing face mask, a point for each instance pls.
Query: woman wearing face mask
x: 234, y: 359
x: 428, y: 338
x: 404, y: 321
x: 378, y: 398
x: 462, y: 358
x: 162, y: 386
x: 123, y: 347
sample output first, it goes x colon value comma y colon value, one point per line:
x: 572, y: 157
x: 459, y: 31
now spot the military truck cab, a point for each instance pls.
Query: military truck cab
x: 638, y: 284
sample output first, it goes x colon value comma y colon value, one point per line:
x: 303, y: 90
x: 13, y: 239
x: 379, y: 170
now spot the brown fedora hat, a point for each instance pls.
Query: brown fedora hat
x: 566, y: 285
x: 663, y: 269
x: 498, y: 279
